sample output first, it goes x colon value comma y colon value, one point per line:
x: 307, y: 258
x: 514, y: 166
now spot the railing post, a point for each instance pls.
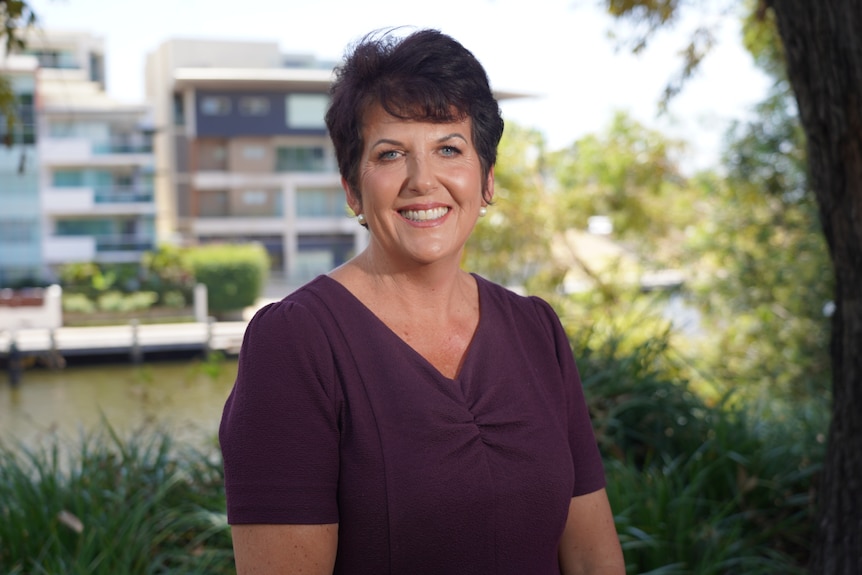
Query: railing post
x: 16, y: 366
x: 136, y: 353
x: 210, y: 328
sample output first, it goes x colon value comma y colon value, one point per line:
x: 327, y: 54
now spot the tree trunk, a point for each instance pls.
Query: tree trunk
x: 823, y: 45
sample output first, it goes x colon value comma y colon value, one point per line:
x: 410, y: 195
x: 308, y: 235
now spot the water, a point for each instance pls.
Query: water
x: 185, y: 397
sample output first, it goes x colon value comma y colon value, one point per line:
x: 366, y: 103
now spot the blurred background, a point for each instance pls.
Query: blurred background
x: 651, y: 185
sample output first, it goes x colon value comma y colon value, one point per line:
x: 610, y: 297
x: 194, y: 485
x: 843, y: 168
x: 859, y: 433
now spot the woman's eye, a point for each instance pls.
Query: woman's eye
x: 387, y: 155
x: 450, y: 151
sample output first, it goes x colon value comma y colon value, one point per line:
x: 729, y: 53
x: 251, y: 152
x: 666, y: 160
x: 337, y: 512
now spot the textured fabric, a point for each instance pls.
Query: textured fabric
x: 334, y: 418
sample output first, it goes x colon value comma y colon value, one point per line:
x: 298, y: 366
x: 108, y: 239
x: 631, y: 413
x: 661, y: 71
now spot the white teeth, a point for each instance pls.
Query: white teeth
x: 424, y: 215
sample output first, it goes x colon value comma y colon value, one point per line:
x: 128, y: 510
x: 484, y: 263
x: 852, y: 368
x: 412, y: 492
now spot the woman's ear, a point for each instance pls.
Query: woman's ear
x: 488, y: 192
x: 351, y: 197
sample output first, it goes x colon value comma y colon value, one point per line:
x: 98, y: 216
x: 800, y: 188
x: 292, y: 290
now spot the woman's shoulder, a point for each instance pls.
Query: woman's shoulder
x: 305, y: 305
x: 511, y: 297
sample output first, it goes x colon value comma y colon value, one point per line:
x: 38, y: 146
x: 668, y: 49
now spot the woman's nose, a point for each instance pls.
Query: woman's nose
x: 421, y: 178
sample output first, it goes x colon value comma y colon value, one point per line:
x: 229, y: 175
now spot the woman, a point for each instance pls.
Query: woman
x: 400, y: 415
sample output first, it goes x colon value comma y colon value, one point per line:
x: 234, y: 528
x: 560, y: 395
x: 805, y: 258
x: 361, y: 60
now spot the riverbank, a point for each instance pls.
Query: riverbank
x: 129, y: 340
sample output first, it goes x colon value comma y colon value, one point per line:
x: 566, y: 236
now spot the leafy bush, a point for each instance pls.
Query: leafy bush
x: 166, y: 272
x: 78, y: 303
x: 120, y: 302
x: 699, y: 487
x: 234, y: 274
x: 110, y: 505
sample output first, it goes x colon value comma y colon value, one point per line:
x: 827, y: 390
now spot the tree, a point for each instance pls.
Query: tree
x: 628, y: 173
x: 759, y: 239
x: 510, y: 245
x: 823, y: 63
x: 16, y: 16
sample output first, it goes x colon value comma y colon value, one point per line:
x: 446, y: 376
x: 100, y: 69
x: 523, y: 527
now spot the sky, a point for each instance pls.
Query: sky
x: 559, y: 51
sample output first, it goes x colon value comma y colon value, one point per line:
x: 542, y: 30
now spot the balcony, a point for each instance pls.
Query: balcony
x: 63, y: 249
x: 106, y: 248
x: 81, y: 151
x: 120, y: 147
x: 124, y: 243
x: 101, y: 200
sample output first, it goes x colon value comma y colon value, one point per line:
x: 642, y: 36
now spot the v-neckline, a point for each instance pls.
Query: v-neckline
x: 468, y: 352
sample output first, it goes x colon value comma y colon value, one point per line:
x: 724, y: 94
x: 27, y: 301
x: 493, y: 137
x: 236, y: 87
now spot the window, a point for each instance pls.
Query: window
x: 68, y: 179
x: 320, y: 254
x: 94, y: 131
x: 63, y: 59
x: 213, y: 204
x: 215, y: 105
x: 179, y: 110
x: 320, y: 203
x: 306, y: 111
x: 219, y: 153
x: 254, y: 106
x: 254, y: 197
x: 253, y: 152
x: 300, y: 159
x: 18, y: 231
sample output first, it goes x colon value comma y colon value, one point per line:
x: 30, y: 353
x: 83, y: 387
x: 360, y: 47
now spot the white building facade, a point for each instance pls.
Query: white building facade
x: 90, y: 166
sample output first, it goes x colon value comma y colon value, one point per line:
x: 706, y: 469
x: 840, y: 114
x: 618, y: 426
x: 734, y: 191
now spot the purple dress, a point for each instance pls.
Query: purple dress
x: 335, y: 419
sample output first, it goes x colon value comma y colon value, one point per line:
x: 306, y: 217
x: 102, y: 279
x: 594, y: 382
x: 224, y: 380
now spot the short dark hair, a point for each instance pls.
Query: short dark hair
x: 424, y: 76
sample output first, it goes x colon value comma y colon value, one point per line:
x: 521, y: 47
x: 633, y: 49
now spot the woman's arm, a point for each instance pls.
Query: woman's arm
x: 285, y: 549
x: 590, y: 545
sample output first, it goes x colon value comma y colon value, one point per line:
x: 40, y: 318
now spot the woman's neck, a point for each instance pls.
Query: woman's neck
x: 435, y: 289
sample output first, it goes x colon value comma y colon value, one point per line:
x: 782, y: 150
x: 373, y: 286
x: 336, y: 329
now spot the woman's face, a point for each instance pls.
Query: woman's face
x: 420, y: 187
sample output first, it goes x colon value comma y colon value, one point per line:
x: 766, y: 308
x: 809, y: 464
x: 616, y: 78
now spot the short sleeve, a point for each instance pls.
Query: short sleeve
x: 586, y: 458
x: 279, y: 429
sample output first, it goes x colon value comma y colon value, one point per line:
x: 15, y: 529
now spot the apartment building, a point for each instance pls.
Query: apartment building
x: 77, y: 183
x: 20, y: 212
x: 242, y: 153
x: 96, y: 158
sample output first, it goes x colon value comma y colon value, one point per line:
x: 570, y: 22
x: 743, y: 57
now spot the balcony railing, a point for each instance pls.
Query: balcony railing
x: 104, y: 148
x: 124, y: 243
x: 123, y: 195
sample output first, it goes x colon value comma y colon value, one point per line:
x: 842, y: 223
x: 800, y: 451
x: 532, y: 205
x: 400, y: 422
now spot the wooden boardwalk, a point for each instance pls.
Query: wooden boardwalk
x: 132, y: 340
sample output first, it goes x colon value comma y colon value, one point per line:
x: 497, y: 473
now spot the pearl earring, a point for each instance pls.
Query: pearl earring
x: 361, y: 219
x: 482, y: 211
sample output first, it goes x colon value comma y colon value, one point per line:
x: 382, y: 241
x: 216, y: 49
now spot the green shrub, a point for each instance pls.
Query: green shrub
x: 78, y: 303
x: 699, y: 487
x: 166, y: 272
x: 119, y: 302
x: 173, y: 298
x: 109, y: 505
x: 234, y: 274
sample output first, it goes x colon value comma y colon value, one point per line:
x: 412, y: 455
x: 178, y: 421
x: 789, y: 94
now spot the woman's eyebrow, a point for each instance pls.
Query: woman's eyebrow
x: 452, y: 135
x: 386, y: 141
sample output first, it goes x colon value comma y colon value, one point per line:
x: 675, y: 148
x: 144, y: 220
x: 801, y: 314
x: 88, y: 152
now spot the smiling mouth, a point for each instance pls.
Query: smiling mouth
x: 424, y: 215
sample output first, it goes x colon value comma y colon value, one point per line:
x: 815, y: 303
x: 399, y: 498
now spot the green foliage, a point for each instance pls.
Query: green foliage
x: 163, y: 279
x: 16, y: 16
x: 120, y: 302
x: 698, y: 487
x: 166, y: 272
x: 510, y: 245
x: 630, y: 174
x: 762, y: 270
x: 93, y: 279
x: 78, y: 303
x: 233, y: 273
x: 110, y: 505
x: 760, y: 37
